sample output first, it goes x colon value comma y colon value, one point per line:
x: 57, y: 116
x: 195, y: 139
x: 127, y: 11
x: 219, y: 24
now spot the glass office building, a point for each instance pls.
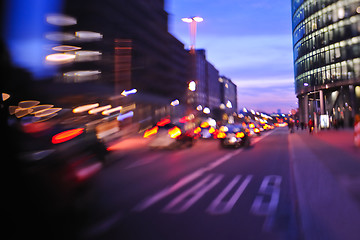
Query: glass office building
x: 326, y: 45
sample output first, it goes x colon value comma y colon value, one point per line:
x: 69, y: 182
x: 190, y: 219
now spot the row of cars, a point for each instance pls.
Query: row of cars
x: 184, y: 132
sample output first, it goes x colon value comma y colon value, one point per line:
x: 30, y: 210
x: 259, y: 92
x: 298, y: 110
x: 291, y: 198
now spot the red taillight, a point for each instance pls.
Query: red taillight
x: 204, y: 125
x: 66, y: 135
x: 174, y: 132
x: 151, y: 132
x: 211, y: 130
x: 163, y: 122
x: 240, y: 135
x: 221, y: 135
x: 197, y: 130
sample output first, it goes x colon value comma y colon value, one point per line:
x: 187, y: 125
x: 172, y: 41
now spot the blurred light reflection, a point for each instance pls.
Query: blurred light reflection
x: 60, y: 20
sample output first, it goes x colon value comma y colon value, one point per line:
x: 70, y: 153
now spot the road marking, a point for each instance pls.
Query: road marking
x: 219, y: 206
x: 188, y: 198
x: 167, y: 191
x: 189, y: 178
x: 270, y: 186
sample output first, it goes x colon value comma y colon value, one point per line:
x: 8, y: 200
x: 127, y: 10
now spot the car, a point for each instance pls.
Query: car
x: 254, y: 128
x: 206, y: 130
x: 168, y: 135
x: 234, y: 135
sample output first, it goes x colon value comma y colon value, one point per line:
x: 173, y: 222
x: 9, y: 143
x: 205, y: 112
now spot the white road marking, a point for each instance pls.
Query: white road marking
x: 219, y: 206
x: 189, y: 178
x: 270, y: 186
x: 188, y: 198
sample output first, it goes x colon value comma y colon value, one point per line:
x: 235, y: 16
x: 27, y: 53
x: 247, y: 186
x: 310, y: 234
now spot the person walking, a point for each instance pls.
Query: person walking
x: 310, y: 125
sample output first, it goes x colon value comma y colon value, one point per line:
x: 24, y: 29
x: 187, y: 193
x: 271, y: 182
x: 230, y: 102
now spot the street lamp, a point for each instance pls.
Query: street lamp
x: 192, y: 86
x: 193, y: 21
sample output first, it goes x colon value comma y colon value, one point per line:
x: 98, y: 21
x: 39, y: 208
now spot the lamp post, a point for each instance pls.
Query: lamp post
x: 191, y: 94
x: 193, y: 22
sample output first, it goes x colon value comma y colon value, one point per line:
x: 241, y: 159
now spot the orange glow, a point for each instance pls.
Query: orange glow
x: 197, y: 130
x: 151, y: 132
x: 60, y: 57
x: 66, y: 135
x: 221, y: 135
x: 163, y: 122
x: 39, y: 108
x: 28, y: 104
x: 251, y: 125
x: 240, y: 135
x: 99, y: 109
x: 174, y: 132
x: 211, y: 130
x: 111, y: 110
x: 204, y: 125
x: 47, y: 112
x: 256, y: 130
x: 5, y: 96
x: 85, y: 108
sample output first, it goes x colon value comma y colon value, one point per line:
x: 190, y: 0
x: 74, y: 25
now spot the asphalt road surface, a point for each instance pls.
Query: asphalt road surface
x: 203, y: 192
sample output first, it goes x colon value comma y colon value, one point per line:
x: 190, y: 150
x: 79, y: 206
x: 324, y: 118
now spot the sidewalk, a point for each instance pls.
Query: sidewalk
x: 326, y: 172
x: 342, y: 139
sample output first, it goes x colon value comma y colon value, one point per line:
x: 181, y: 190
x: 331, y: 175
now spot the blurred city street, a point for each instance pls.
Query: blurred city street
x: 285, y: 186
x: 172, y: 120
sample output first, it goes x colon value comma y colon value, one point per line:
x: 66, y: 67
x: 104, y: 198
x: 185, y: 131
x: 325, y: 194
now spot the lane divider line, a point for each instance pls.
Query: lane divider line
x: 146, y: 203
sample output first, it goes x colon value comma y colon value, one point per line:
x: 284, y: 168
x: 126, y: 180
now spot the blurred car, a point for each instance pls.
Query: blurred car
x: 167, y: 135
x: 59, y: 161
x: 254, y: 128
x: 206, y: 131
x: 233, y: 135
x: 280, y: 124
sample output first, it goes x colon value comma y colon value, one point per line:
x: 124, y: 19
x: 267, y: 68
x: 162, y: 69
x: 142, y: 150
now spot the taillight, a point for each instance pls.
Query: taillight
x: 163, y: 122
x: 211, y: 130
x: 66, y: 135
x: 151, y: 132
x: 221, y: 135
x: 240, y: 135
x: 204, y: 124
x: 197, y: 130
x: 174, y: 132
x: 256, y: 130
x: 251, y: 125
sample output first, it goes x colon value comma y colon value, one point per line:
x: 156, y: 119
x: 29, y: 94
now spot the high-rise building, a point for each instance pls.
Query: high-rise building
x: 228, y: 91
x: 326, y: 45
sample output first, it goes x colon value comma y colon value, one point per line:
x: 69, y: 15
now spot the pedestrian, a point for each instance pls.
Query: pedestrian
x: 291, y: 126
x: 310, y: 125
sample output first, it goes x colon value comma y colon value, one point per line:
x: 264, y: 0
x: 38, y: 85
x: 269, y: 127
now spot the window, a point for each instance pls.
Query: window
x: 343, y: 70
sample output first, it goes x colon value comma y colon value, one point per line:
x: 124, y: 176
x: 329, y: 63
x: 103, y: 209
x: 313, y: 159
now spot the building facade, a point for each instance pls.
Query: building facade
x: 228, y: 98
x: 326, y: 46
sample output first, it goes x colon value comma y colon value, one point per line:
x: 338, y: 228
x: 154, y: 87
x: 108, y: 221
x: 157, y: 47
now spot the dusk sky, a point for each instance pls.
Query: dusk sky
x: 248, y: 41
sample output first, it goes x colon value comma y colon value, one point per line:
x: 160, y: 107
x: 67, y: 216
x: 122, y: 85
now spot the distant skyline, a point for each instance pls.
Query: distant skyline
x: 248, y: 41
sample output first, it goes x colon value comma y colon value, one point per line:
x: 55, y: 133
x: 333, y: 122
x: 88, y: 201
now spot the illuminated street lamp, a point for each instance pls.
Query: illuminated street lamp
x: 193, y: 21
x: 206, y: 110
x: 192, y: 86
x: 175, y: 103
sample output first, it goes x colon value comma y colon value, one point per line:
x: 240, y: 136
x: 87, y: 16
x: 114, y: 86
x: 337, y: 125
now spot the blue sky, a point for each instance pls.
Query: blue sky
x: 248, y: 41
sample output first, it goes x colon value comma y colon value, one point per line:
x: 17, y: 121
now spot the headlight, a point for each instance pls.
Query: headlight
x: 232, y: 139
